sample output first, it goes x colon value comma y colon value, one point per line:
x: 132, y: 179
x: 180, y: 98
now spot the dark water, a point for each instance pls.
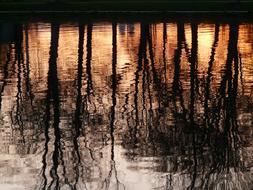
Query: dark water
x: 126, y: 106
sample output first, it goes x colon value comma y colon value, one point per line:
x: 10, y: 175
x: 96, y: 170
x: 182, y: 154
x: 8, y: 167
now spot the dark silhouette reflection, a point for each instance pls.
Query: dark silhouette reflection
x: 176, y: 85
x: 164, y: 48
x: 19, y: 59
x: 169, y: 110
x: 78, y: 111
x: 53, y: 96
x: 141, y: 55
x: 214, y: 130
x: 113, y: 169
x: 89, y: 59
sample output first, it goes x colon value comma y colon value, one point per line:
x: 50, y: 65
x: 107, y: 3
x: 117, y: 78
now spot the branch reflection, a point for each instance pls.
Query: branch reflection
x: 150, y: 98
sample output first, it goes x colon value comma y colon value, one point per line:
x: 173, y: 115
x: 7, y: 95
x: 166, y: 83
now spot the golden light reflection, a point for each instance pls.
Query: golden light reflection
x: 120, y: 97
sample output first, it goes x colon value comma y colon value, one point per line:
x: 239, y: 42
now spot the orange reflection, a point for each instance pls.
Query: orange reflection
x: 157, y: 75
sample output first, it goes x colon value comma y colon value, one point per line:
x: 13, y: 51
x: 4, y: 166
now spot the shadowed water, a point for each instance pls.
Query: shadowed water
x: 116, y: 106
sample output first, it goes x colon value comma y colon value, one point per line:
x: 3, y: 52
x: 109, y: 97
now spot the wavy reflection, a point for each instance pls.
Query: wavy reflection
x: 127, y: 106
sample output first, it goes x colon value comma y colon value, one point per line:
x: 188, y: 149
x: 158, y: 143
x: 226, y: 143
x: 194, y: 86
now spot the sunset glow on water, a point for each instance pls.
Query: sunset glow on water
x: 126, y: 106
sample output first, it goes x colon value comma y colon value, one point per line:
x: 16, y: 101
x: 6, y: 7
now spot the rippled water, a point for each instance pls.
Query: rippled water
x: 126, y: 106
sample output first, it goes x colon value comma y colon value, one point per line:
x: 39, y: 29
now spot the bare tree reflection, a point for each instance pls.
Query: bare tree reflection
x: 78, y: 111
x: 189, y: 128
x: 171, y: 113
x: 19, y: 60
x: 89, y: 59
x: 113, y: 169
x: 164, y: 48
x: 53, y: 96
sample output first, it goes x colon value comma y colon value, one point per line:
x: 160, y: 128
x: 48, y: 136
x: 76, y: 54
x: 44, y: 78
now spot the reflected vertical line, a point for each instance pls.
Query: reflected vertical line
x: 56, y: 105
x: 232, y: 83
x: 235, y: 134
x: 77, y: 121
x: 144, y: 84
x: 164, y: 49
x: 54, y: 95
x: 19, y: 57
x: 224, y: 100
x: 47, y: 118
x: 176, y: 61
x: 193, y: 72
x: 236, y: 69
x: 142, y: 47
x: 152, y: 59
x: 177, y: 90
x: 235, y: 80
x: 148, y: 76
x: 114, y: 85
x: 193, y: 82
x: 145, y: 73
x: 156, y: 79
x: 113, y: 110
x: 89, y: 59
x: 150, y: 94
x: 231, y: 104
x: 46, y: 135
x: 227, y: 78
x: 208, y: 122
x: 176, y: 84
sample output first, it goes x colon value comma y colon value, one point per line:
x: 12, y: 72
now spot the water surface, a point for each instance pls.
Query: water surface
x: 126, y: 106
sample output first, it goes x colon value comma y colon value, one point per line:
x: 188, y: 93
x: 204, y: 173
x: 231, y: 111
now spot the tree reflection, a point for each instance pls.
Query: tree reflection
x: 172, y: 111
x: 88, y: 59
x: 19, y: 59
x: 217, y: 132
x: 78, y: 111
x: 113, y: 169
x: 53, y: 96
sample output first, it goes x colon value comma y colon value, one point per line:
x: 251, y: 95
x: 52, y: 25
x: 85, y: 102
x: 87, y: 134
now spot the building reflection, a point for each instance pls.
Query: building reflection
x: 92, y: 106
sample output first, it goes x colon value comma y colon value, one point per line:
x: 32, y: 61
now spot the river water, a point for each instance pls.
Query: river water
x: 141, y: 105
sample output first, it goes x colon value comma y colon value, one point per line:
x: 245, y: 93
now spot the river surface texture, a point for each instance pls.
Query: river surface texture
x: 126, y: 106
